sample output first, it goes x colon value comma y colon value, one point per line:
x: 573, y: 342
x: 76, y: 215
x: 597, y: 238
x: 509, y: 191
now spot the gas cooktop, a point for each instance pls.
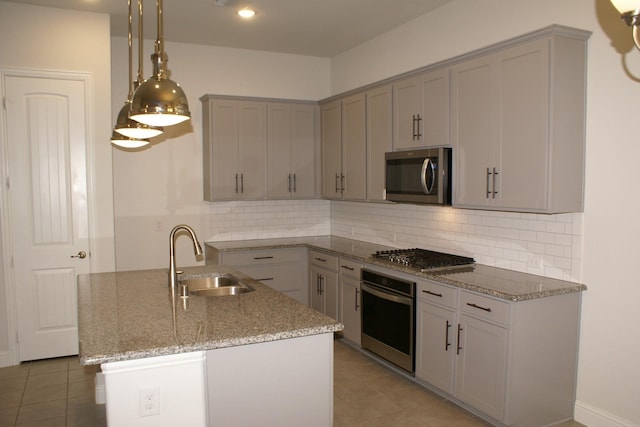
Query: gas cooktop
x: 421, y: 259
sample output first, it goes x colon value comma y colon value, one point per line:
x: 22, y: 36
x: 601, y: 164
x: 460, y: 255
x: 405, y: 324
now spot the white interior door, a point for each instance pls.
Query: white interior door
x: 48, y: 210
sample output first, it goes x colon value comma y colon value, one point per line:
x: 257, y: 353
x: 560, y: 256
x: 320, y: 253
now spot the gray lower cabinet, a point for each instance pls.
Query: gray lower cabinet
x: 284, y: 270
x: 514, y: 362
x: 349, y: 301
x: 323, y: 283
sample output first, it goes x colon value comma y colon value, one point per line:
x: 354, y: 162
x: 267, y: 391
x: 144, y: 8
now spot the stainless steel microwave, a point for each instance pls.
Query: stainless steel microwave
x: 419, y: 176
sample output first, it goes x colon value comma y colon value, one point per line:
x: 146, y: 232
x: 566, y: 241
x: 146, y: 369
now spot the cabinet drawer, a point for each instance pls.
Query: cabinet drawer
x: 323, y: 259
x: 350, y: 268
x: 485, y: 307
x: 259, y: 257
x: 434, y: 292
x: 279, y: 277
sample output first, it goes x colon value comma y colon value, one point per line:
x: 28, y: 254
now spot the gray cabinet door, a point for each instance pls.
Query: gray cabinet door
x: 252, y: 150
x: 303, y: 151
x: 482, y: 365
x: 354, y: 148
x: 436, y: 345
x: 331, y: 144
x: 379, y: 138
x: 421, y: 110
x: 473, y: 130
x: 234, y: 150
x: 291, y: 150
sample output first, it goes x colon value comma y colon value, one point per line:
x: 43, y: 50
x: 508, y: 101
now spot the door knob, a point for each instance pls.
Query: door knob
x: 81, y: 255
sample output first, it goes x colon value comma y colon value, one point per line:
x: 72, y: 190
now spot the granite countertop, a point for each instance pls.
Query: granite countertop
x: 497, y: 282
x: 133, y: 315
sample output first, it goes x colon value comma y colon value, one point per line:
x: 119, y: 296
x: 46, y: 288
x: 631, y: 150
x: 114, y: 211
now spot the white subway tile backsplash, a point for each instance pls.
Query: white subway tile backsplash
x: 548, y: 245
x: 533, y: 243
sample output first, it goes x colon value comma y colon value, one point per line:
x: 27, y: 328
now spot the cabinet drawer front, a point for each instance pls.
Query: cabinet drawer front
x: 323, y: 259
x: 485, y: 307
x: 434, y: 292
x: 285, y: 277
x: 267, y: 256
x: 350, y: 268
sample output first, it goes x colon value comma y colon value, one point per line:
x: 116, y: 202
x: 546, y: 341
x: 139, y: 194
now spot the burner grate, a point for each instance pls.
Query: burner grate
x: 422, y: 259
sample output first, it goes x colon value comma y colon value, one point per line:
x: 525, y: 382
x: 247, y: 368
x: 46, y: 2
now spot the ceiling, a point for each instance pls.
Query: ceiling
x: 321, y: 28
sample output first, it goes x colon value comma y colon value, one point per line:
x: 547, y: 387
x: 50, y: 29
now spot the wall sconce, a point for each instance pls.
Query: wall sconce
x: 159, y: 101
x: 630, y: 11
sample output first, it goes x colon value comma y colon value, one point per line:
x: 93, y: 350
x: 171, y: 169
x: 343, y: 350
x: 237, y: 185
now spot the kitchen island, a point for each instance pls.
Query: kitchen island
x: 201, y: 361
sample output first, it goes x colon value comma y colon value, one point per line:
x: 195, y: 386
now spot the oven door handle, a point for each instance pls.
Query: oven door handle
x: 385, y: 295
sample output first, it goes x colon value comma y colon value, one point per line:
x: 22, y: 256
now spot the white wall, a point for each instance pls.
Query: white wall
x: 160, y: 187
x: 608, y: 377
x: 40, y: 38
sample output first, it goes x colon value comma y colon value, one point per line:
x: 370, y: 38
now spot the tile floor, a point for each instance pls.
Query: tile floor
x: 60, y: 392
x: 49, y: 393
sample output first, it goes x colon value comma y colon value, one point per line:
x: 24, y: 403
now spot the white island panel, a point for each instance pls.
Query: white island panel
x: 273, y: 384
x: 178, y: 381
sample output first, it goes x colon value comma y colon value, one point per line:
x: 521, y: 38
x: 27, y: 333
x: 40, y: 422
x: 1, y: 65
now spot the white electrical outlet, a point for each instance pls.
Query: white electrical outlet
x: 149, y: 401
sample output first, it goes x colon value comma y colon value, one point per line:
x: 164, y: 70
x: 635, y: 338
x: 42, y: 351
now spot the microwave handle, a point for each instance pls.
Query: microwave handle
x: 427, y: 165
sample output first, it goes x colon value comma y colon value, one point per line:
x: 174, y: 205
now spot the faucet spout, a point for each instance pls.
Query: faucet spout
x: 197, y: 249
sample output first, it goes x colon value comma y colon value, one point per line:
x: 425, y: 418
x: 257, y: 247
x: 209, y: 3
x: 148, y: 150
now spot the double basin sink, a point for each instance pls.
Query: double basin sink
x: 213, y: 286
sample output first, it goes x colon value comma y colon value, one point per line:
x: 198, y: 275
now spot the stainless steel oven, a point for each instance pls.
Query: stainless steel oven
x: 388, y: 318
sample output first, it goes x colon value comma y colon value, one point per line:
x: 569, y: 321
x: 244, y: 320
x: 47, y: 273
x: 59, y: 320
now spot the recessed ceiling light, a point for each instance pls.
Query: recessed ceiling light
x: 247, y: 13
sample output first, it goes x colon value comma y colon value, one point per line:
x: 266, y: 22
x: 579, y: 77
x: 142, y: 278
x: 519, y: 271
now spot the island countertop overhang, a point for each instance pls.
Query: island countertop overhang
x: 134, y: 315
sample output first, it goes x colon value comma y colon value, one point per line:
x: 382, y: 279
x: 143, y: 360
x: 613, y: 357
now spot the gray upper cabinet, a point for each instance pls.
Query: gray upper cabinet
x: 379, y: 137
x: 234, y: 149
x: 344, y: 148
x: 421, y: 110
x: 255, y: 148
x: 354, y: 147
x: 331, y: 141
x: 291, y: 129
x: 518, y: 125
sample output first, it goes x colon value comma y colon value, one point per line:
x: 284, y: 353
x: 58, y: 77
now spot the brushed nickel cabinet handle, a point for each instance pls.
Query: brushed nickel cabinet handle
x: 433, y: 293
x: 479, y: 307
x: 495, y: 173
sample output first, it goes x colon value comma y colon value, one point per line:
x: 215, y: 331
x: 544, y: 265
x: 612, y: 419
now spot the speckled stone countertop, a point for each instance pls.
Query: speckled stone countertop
x: 497, y: 282
x: 133, y: 315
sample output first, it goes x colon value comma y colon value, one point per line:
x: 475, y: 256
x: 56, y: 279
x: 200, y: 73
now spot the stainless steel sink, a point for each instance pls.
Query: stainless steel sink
x: 213, y: 286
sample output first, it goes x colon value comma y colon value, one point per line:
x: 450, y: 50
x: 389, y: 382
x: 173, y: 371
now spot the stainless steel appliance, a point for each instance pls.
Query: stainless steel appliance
x: 388, y: 303
x: 421, y: 259
x: 388, y: 318
x: 419, y: 176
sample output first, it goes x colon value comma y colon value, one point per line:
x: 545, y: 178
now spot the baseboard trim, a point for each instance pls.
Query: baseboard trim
x: 596, y: 417
x: 5, y: 359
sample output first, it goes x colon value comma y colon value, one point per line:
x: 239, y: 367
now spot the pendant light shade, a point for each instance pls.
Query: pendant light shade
x: 625, y: 6
x: 159, y: 101
x: 126, y: 142
x: 630, y: 13
x: 132, y: 128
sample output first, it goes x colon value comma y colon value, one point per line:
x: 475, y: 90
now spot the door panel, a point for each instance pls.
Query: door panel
x: 48, y: 210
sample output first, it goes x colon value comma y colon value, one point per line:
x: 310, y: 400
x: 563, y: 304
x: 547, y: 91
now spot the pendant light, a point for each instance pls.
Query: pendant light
x: 159, y: 101
x: 126, y: 142
x: 130, y: 129
x: 630, y: 11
